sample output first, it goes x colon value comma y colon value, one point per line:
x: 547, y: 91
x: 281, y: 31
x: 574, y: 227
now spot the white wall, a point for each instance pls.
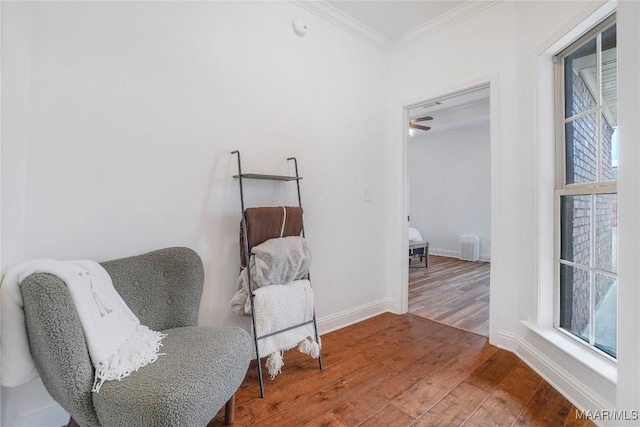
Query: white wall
x: 449, y: 186
x: 504, y: 45
x: 119, y: 120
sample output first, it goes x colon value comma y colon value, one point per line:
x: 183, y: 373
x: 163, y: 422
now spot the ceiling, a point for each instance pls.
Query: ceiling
x: 464, y: 108
x: 393, y: 19
x: 454, y: 101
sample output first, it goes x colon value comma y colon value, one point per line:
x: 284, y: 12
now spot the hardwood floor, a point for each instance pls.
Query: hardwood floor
x: 402, y: 370
x: 452, y: 292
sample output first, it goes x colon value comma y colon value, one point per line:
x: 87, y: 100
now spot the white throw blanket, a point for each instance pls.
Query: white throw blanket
x: 278, y: 307
x: 118, y: 344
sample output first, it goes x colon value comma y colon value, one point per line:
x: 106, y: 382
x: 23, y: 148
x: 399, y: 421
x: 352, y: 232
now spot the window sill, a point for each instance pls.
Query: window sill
x: 600, y: 364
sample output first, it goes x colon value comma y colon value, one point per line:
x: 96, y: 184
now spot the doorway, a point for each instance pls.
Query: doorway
x: 449, y: 206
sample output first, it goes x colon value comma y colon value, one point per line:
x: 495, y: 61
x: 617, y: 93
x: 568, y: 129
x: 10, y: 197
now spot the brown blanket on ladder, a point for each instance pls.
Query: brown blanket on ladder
x: 266, y: 223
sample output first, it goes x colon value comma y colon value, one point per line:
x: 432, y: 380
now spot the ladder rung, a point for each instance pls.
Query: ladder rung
x: 284, y: 330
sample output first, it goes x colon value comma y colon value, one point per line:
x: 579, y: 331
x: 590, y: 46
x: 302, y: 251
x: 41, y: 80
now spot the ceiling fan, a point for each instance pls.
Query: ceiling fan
x: 413, y: 122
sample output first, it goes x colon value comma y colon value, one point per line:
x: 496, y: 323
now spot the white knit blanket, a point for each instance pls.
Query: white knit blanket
x: 278, y: 307
x: 118, y: 344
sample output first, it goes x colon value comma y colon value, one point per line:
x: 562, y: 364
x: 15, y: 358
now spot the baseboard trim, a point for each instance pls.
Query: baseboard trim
x: 444, y: 252
x: 50, y: 414
x: 345, y: 318
x: 31, y: 405
x: 484, y: 257
x: 581, y: 396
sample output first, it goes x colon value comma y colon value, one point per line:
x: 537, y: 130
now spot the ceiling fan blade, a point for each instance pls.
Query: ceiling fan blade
x: 415, y: 126
x: 421, y: 119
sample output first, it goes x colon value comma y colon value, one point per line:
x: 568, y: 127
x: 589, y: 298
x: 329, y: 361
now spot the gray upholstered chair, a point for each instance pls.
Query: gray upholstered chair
x: 202, y: 368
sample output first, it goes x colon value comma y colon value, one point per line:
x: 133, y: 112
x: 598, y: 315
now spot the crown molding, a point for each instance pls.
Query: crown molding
x: 439, y: 23
x: 340, y: 19
x: 356, y: 28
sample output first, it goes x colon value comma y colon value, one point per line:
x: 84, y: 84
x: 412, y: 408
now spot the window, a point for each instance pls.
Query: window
x: 586, y: 188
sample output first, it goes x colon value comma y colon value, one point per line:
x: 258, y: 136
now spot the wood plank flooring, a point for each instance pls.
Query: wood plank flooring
x: 452, y: 292
x: 402, y: 370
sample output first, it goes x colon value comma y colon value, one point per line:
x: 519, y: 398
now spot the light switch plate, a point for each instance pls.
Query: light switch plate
x: 367, y: 195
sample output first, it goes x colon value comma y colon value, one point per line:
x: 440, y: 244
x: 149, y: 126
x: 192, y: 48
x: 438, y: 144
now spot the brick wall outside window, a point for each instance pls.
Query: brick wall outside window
x: 585, y: 151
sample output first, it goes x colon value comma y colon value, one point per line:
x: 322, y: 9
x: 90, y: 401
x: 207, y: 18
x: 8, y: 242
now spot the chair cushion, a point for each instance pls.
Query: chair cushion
x: 201, y: 369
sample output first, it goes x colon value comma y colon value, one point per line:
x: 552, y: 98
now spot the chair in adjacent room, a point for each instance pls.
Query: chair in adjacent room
x: 418, y: 246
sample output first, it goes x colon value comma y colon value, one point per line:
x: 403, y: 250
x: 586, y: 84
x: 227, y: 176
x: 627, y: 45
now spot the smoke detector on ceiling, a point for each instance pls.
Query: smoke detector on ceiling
x: 300, y: 27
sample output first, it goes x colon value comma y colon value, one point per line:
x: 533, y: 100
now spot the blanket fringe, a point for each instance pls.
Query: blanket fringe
x: 310, y: 346
x: 140, y: 349
x: 275, y: 363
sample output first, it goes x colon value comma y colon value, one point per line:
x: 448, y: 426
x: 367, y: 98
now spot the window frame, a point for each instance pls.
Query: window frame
x: 591, y: 189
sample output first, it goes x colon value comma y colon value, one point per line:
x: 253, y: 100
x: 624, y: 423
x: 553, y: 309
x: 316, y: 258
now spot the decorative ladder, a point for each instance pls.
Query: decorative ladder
x: 241, y: 176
